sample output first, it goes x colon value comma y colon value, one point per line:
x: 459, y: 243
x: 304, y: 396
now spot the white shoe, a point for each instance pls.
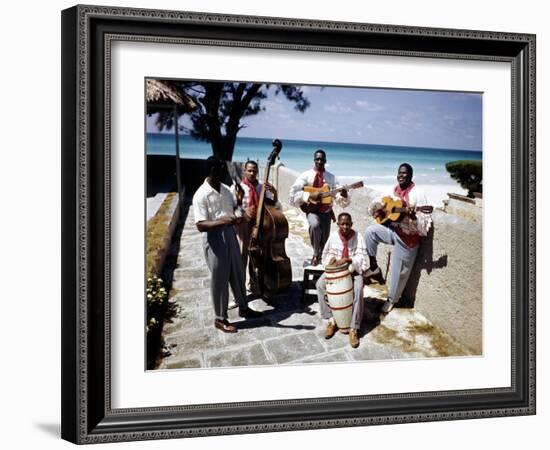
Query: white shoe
x: 232, y: 304
x: 387, y: 306
x: 372, y: 273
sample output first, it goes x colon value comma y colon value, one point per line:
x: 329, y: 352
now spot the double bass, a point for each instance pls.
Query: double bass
x: 267, y: 242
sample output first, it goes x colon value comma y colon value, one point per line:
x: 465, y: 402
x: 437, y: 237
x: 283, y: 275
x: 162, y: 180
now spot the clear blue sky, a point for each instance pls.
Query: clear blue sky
x: 371, y: 116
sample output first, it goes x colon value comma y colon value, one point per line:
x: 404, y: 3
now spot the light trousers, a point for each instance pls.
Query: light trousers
x: 223, y: 258
x: 402, y: 259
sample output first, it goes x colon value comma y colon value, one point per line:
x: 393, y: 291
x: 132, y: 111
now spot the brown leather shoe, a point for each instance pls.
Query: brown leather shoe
x: 331, y: 330
x: 225, y: 326
x: 353, y: 338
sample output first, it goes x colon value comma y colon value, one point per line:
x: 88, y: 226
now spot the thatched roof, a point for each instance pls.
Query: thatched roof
x: 161, y: 93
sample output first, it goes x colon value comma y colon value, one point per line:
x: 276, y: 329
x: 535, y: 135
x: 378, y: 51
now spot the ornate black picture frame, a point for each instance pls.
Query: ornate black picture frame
x: 87, y: 414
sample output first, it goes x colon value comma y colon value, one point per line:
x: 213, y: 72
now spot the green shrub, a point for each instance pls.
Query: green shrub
x: 468, y: 173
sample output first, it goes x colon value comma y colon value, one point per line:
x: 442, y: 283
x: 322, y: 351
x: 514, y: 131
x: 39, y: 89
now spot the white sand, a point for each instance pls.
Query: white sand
x: 435, y: 193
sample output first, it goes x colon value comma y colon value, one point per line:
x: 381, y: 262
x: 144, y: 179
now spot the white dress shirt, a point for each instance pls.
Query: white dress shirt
x: 423, y: 221
x: 209, y: 204
x: 334, y: 248
x: 297, y: 196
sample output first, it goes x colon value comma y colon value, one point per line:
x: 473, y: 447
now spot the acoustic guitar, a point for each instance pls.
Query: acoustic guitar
x: 394, y: 210
x: 326, y: 195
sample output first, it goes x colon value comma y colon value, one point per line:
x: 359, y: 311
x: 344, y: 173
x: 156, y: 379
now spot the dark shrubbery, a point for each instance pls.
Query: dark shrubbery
x: 468, y: 173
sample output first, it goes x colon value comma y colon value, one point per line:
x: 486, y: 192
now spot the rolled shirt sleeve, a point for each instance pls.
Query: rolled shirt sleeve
x: 200, y: 209
x: 297, y: 196
x: 423, y: 221
x: 358, y: 259
x: 342, y: 202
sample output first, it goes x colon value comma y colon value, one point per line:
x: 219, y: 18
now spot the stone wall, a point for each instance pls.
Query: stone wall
x: 446, y: 282
x: 462, y: 206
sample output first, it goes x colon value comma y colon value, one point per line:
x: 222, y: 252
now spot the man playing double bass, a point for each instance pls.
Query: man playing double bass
x: 251, y: 188
x: 319, y: 220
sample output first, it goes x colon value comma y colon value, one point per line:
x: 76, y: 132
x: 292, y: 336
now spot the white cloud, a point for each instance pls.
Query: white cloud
x: 368, y: 106
x: 338, y: 108
x: 451, y: 119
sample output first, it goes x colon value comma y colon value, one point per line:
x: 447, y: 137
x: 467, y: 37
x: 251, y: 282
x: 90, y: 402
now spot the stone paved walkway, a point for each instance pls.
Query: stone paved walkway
x: 291, y: 331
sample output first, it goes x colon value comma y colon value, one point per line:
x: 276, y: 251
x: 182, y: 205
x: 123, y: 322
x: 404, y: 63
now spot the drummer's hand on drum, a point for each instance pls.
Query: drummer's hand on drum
x: 332, y: 261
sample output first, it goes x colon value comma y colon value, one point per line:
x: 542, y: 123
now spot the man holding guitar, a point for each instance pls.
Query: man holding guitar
x: 319, y: 213
x: 403, y: 220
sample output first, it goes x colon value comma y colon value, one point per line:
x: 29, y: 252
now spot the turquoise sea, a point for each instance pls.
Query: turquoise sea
x: 375, y: 164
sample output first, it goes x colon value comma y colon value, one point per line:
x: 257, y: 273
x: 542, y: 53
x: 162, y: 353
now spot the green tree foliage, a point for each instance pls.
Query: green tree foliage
x: 468, y: 173
x: 222, y: 108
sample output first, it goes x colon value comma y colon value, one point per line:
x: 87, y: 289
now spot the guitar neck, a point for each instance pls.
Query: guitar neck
x: 342, y: 188
x: 405, y: 209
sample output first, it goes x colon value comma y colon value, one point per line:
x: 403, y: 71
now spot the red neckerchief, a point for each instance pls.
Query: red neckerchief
x: 252, y: 196
x: 345, y: 240
x: 318, y: 182
x: 403, y: 194
x: 410, y: 240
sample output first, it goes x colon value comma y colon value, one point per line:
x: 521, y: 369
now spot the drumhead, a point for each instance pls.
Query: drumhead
x: 339, y: 268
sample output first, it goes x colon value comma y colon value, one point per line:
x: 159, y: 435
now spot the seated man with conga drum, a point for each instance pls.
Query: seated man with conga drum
x: 342, y: 283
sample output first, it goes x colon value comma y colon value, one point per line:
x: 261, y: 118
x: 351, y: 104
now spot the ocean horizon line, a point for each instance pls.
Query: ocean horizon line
x: 410, y: 147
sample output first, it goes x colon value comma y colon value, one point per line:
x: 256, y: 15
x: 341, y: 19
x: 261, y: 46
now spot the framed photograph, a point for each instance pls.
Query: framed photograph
x: 378, y: 179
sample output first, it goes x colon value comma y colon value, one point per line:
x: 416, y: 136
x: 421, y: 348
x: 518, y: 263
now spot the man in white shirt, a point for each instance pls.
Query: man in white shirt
x: 344, y: 246
x: 405, y: 236
x: 252, y: 189
x: 216, y: 210
x: 319, y: 220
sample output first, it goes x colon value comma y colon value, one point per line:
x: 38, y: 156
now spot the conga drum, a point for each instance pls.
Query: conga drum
x: 340, y: 294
